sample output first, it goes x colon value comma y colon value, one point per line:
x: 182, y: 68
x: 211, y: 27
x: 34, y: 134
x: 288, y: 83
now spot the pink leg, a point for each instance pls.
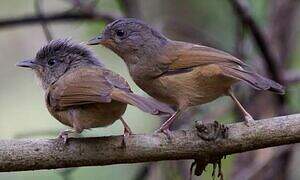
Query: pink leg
x: 165, y: 127
x: 64, y: 135
x: 127, y: 131
x: 248, y: 118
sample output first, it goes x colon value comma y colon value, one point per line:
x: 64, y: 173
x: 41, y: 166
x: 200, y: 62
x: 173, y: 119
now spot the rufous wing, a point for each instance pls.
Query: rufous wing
x: 187, y: 55
x: 121, y: 92
x: 98, y: 85
x: 79, y: 87
x: 183, y: 57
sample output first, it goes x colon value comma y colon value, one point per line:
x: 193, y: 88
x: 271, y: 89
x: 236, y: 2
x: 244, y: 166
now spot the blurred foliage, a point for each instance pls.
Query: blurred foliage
x: 24, y: 115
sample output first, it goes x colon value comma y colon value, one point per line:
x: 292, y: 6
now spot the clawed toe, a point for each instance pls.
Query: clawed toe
x: 249, y: 121
x: 211, y: 131
x: 64, y: 135
x: 126, y: 135
x: 165, y: 131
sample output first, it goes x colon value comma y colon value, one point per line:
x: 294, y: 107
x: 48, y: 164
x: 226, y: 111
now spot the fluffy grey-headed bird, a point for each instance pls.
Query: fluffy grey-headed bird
x: 80, y: 92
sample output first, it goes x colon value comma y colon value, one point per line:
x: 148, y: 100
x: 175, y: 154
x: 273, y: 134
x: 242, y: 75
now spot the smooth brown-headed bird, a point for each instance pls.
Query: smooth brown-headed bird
x: 80, y: 92
x: 178, y: 73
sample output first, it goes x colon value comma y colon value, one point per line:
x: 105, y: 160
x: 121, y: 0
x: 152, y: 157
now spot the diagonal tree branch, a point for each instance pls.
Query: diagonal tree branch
x: 243, y: 12
x: 57, y: 17
x: 44, y: 25
x: 19, y: 155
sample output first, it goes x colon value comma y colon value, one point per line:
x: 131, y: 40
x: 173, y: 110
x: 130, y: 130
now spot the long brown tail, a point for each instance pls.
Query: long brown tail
x: 253, y: 79
x: 146, y: 104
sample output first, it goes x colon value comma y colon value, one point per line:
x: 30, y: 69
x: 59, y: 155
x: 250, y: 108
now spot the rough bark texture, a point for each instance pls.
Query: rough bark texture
x: 19, y: 155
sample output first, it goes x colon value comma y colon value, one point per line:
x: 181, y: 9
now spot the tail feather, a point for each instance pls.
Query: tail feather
x: 253, y: 79
x: 148, y: 105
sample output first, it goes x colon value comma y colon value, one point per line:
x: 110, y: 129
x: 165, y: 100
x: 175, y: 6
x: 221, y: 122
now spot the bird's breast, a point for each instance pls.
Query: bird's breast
x: 90, y: 115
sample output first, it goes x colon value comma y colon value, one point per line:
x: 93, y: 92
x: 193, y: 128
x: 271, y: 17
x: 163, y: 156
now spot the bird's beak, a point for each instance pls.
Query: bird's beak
x: 96, y: 40
x: 28, y: 63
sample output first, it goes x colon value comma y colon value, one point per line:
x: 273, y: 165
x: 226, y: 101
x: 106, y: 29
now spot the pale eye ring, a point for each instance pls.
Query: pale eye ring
x: 120, y: 33
x: 51, y: 62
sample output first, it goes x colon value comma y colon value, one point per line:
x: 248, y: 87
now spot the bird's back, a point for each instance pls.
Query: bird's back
x: 82, y: 98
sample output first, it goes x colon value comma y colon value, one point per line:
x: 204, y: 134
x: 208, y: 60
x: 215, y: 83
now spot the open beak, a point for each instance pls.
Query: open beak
x: 27, y: 64
x: 95, y: 40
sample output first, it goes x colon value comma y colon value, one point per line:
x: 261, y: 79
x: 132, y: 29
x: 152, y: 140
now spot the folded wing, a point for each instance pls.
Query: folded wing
x: 79, y: 87
x: 98, y: 85
x: 183, y: 57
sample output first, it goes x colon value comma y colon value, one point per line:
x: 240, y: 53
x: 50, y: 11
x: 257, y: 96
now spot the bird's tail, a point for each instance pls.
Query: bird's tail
x: 146, y: 104
x: 253, y: 79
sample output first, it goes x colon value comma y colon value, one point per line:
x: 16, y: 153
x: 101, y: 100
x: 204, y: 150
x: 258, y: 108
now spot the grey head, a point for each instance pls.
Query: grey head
x: 56, y: 58
x: 130, y: 37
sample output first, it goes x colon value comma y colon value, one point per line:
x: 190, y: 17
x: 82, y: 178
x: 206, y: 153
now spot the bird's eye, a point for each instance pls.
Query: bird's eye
x: 51, y: 62
x: 120, y: 33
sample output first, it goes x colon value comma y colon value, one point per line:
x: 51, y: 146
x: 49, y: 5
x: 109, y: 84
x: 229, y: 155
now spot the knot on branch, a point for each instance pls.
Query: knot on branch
x: 211, y: 131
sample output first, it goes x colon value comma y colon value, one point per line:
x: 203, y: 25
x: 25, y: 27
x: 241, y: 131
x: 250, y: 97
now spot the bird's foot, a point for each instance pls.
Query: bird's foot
x: 211, y: 131
x: 127, y: 133
x: 165, y: 130
x: 165, y: 127
x: 64, y: 135
x: 249, y: 121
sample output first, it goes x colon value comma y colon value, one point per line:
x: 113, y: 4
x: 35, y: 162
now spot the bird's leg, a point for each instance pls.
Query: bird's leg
x: 248, y: 118
x: 165, y: 127
x: 64, y: 135
x: 127, y: 130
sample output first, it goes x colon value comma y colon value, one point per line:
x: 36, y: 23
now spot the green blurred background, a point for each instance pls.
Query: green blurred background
x: 24, y: 115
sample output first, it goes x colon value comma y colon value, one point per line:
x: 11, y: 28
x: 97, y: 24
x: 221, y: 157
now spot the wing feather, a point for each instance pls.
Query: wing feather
x: 183, y: 57
x: 79, y: 87
x: 186, y: 55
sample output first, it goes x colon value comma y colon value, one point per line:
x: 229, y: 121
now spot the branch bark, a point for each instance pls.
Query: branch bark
x: 20, y: 155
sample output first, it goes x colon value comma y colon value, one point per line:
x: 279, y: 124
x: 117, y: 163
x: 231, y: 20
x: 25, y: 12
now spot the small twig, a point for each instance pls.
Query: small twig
x: 46, y: 30
x: 57, y: 17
